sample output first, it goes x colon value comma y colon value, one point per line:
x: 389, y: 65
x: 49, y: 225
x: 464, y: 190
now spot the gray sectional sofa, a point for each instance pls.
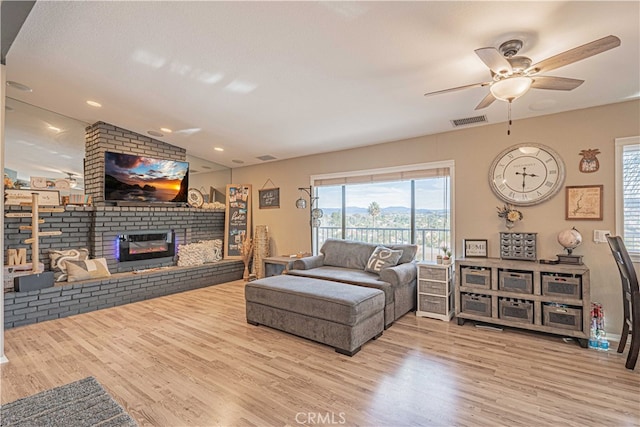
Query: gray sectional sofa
x: 345, y: 261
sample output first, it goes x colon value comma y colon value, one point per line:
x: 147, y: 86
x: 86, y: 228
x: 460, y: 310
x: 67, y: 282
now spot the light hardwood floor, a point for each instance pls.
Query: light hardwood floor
x: 191, y: 359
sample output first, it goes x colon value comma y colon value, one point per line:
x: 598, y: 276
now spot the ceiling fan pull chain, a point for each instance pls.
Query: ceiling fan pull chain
x: 509, y: 126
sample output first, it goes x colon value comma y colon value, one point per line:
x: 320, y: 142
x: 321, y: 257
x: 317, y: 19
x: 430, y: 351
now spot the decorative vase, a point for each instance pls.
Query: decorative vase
x: 509, y: 224
x: 245, y: 275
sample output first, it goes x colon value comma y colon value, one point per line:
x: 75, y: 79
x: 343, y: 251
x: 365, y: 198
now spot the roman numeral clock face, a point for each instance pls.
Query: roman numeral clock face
x: 526, y: 174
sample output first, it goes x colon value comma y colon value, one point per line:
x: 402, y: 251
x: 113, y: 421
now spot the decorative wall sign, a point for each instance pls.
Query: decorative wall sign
x: 38, y: 182
x: 584, y: 202
x: 62, y: 184
x: 475, y: 248
x: 269, y: 198
x: 589, y: 162
x: 195, y: 198
x: 237, y: 220
x: 14, y: 197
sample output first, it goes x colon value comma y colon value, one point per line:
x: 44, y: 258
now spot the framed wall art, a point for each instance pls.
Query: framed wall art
x: 475, y: 248
x: 583, y: 202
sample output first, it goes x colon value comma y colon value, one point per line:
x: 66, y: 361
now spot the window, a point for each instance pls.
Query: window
x: 409, y: 204
x: 628, y: 194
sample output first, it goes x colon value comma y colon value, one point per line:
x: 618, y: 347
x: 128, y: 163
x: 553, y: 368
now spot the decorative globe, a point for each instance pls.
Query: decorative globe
x: 570, y: 239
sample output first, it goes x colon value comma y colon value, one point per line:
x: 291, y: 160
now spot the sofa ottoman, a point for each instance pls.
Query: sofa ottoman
x: 340, y: 315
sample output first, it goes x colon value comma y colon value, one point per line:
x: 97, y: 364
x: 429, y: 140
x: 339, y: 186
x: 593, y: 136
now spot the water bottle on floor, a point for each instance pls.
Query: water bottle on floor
x: 603, y: 342
x: 593, y: 340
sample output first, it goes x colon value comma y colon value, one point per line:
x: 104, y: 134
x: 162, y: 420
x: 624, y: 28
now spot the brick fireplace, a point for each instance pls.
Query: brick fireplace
x: 100, y: 227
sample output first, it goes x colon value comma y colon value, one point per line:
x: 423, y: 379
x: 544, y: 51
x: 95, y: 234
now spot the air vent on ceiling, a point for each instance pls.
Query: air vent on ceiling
x: 266, y: 157
x: 469, y: 121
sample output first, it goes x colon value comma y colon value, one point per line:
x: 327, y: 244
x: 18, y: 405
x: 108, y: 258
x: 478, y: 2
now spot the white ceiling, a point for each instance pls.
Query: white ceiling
x: 289, y: 79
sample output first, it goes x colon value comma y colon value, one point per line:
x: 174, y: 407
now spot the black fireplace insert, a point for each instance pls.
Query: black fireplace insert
x: 143, y: 245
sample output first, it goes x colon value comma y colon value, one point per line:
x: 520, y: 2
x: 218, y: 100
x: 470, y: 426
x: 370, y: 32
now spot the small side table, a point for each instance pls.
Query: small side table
x: 276, y: 265
x: 435, y: 286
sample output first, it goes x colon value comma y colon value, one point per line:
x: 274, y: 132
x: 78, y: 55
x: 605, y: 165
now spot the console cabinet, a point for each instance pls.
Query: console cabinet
x: 552, y: 298
x: 435, y: 290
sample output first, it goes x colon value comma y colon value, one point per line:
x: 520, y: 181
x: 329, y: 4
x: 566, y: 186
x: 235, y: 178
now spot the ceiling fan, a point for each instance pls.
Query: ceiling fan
x: 73, y: 182
x: 513, y: 76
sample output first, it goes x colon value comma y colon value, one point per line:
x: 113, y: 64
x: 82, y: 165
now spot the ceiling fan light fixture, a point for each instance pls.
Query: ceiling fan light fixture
x: 511, y: 88
x: 73, y: 183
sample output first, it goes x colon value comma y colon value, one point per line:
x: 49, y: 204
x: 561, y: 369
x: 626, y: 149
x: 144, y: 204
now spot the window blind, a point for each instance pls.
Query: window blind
x: 631, y: 196
x: 366, y: 178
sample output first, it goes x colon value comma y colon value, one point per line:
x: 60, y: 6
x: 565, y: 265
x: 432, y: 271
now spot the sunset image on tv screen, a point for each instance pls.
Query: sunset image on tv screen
x: 134, y: 178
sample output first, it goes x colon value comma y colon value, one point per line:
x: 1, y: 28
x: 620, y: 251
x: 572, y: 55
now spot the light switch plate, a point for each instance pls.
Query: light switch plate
x: 600, y: 236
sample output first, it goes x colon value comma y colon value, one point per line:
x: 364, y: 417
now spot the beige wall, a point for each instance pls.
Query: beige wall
x: 473, y: 150
x: 217, y: 180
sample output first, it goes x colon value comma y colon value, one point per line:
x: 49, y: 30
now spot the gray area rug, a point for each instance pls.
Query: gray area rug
x: 81, y: 403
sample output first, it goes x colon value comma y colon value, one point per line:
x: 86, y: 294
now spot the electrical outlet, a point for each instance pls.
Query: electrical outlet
x: 600, y: 236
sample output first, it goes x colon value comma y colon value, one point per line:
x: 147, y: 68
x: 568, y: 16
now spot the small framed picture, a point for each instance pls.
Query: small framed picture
x: 475, y: 248
x: 583, y: 202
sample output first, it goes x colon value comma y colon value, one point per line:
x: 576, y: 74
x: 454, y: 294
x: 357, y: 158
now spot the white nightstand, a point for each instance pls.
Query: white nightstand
x: 435, y: 290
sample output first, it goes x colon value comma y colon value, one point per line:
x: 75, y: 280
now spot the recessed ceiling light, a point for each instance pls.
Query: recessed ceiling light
x: 219, y: 149
x: 94, y: 103
x: 19, y: 86
x: 155, y: 133
x: 238, y: 161
x: 238, y: 86
x: 54, y: 128
x: 166, y: 130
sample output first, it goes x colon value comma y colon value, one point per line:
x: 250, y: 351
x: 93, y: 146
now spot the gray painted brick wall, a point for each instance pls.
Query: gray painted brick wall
x: 24, y: 308
x: 101, y: 137
x: 97, y: 229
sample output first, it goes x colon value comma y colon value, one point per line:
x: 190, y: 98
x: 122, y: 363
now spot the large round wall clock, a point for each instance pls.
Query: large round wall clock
x: 526, y: 174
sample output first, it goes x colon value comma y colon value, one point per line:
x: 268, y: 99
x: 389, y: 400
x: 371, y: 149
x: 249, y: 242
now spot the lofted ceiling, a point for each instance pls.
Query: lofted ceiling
x: 288, y: 79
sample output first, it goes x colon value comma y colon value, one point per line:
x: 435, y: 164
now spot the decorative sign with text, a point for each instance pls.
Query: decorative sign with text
x: 269, y: 198
x: 237, y: 219
x: 25, y: 197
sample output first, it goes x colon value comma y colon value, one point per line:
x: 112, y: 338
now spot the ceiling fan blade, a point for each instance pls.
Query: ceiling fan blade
x: 576, y: 54
x: 453, y: 89
x: 555, y: 83
x: 486, y: 101
x: 494, y: 60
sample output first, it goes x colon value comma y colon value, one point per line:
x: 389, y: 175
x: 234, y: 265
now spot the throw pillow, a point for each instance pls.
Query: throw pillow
x: 87, y: 269
x: 59, y: 259
x: 382, y: 258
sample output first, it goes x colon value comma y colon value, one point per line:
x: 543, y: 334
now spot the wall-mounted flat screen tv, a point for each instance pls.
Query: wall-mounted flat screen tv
x: 133, y: 178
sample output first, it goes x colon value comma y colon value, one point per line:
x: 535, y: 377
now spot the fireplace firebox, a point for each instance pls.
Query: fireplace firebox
x: 144, y: 245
